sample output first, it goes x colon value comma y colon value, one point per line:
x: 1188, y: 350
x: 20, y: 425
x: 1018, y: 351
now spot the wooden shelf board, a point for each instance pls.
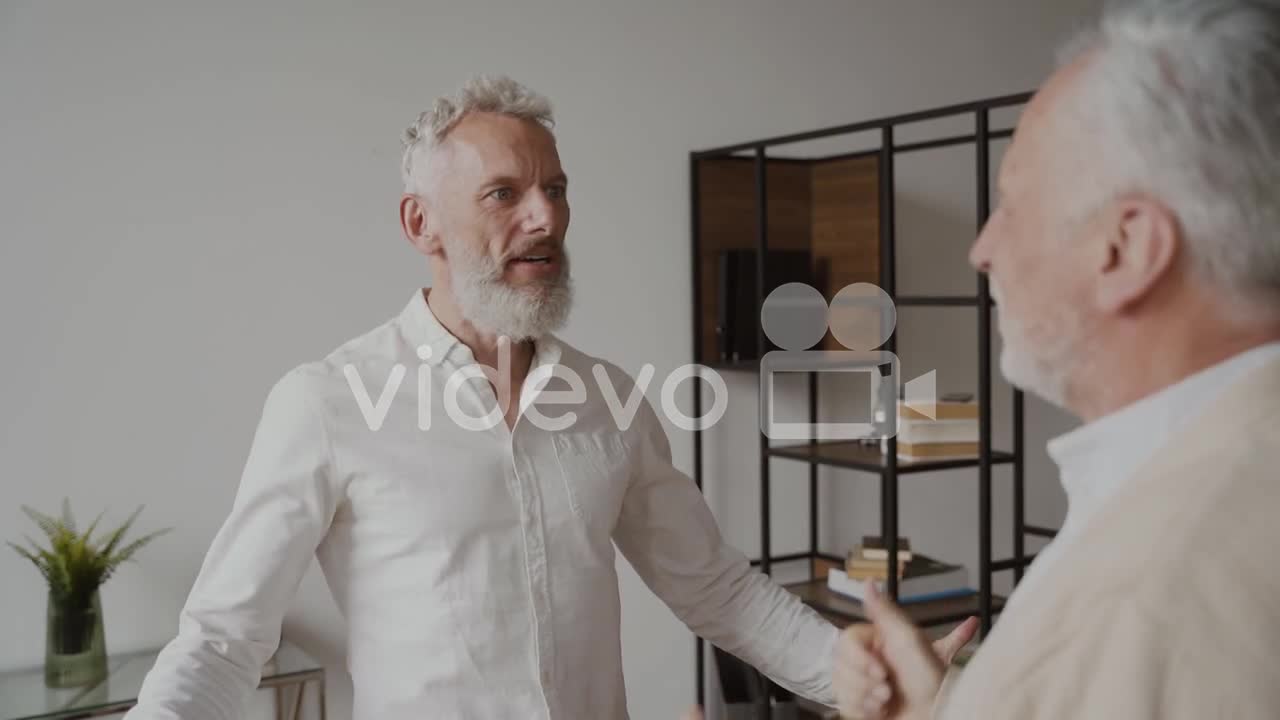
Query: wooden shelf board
x: 843, y: 611
x: 856, y: 456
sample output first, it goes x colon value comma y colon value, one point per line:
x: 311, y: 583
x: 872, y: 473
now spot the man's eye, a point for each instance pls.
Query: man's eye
x: 502, y: 194
x: 556, y: 192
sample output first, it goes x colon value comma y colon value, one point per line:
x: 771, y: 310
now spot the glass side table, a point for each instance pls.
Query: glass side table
x: 23, y: 695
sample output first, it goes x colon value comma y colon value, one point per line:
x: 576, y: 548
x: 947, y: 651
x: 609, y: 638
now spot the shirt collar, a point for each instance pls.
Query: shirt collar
x: 1098, y: 457
x: 424, y: 331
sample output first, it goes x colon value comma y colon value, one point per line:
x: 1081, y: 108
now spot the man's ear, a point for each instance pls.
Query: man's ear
x: 1142, y: 241
x: 414, y: 221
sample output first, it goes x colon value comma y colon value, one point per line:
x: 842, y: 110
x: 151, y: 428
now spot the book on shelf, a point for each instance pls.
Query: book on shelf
x: 942, y: 410
x: 871, y: 558
x: 874, y: 547
x: 882, y: 555
x: 857, y: 567
x: 924, y: 579
x: 916, y: 432
x: 954, y: 434
x: 861, y: 563
x: 869, y: 574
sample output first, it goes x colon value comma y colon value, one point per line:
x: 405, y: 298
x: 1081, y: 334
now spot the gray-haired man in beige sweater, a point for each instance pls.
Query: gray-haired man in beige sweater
x: 1135, y: 257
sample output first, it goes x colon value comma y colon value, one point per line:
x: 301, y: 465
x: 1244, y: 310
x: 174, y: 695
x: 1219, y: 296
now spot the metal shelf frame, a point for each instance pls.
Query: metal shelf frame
x: 889, y: 468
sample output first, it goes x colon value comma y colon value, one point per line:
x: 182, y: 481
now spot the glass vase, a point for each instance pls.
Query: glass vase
x: 75, y: 645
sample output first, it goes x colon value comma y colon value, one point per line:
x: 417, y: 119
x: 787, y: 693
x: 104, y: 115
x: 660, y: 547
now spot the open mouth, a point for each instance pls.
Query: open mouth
x: 533, y: 259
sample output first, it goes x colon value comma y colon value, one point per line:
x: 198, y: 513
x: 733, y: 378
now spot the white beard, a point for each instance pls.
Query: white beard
x: 1044, y: 370
x: 493, y: 306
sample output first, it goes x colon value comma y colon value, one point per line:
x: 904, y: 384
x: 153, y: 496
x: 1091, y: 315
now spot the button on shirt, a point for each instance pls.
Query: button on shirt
x: 474, y: 564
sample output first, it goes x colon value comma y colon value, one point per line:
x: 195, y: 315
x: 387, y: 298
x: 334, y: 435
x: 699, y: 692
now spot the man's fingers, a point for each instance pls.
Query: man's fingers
x: 855, y: 651
x: 860, y: 677
x: 947, y: 647
x: 916, y: 669
x: 873, y: 707
x: 889, y: 619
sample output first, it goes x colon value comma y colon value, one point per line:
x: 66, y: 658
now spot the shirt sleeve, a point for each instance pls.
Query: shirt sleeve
x: 230, y: 624
x: 668, y: 534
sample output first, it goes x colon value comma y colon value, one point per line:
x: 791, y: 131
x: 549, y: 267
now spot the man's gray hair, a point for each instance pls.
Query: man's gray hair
x: 1186, y: 94
x: 482, y: 93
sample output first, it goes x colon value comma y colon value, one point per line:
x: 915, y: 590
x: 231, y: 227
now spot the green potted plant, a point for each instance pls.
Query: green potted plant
x: 75, y: 566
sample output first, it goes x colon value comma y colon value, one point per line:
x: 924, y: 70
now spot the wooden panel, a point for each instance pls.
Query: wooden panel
x: 846, y: 225
x: 727, y: 201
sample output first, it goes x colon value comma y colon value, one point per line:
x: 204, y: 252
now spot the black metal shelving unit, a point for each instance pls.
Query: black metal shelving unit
x: 852, y: 454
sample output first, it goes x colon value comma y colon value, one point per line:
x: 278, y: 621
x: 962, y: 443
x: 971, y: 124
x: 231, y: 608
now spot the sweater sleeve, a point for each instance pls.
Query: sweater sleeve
x: 1131, y: 660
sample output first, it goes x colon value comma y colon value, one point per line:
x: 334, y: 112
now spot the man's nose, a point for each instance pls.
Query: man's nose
x: 539, y: 214
x: 979, y: 257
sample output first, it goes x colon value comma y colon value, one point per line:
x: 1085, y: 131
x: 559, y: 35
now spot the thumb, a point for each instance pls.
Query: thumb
x: 889, y: 619
x: 906, y: 649
x: 947, y: 647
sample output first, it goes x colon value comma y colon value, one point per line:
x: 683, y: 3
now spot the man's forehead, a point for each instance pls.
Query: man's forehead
x: 1035, y: 136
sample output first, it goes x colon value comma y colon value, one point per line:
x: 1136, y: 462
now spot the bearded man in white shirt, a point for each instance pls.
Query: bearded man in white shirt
x: 1136, y: 260
x: 465, y: 529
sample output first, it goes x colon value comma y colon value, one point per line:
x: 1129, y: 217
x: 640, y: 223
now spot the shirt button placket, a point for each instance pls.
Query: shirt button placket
x: 539, y: 577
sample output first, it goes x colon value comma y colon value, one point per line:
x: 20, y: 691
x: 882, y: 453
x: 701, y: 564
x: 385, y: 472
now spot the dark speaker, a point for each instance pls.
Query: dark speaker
x: 737, y: 317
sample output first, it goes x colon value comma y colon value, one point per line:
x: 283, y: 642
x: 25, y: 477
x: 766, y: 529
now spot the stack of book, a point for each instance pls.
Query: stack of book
x: 952, y: 434
x: 920, y: 578
x: 870, y: 560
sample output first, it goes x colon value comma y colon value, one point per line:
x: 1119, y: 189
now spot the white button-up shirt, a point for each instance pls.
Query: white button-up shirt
x: 475, y: 567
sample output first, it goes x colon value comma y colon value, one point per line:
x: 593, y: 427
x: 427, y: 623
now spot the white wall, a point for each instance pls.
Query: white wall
x: 195, y: 197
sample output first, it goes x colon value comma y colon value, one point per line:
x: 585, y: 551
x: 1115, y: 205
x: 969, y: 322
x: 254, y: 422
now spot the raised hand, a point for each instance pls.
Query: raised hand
x: 887, y: 670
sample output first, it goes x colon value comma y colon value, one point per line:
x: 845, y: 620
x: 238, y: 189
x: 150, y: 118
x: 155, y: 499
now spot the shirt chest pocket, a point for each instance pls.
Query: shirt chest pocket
x: 595, y: 469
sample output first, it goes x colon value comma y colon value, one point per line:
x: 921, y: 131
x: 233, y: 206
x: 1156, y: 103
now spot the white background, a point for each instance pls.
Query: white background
x: 196, y: 197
